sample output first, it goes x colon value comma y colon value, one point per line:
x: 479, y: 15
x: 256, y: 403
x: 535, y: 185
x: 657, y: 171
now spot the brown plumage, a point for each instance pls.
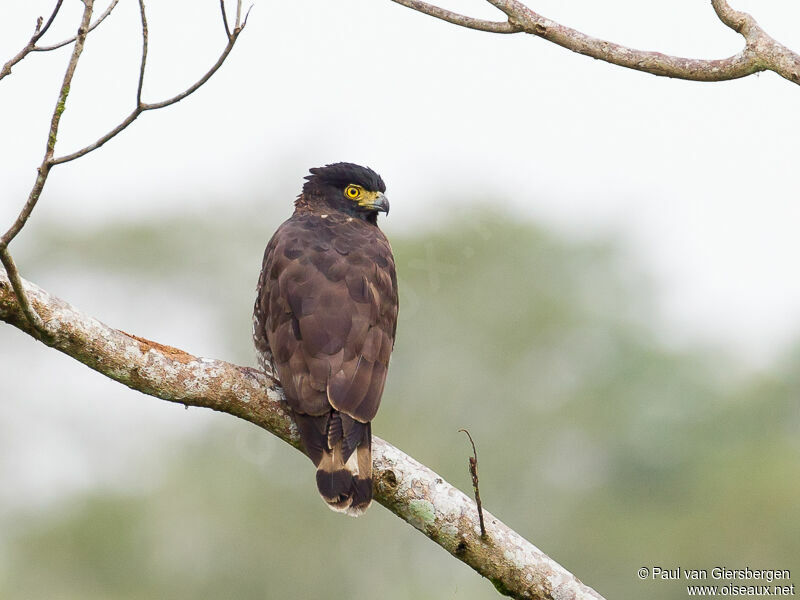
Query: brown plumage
x: 324, y: 319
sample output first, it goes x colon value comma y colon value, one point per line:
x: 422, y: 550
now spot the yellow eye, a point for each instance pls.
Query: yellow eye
x: 352, y: 191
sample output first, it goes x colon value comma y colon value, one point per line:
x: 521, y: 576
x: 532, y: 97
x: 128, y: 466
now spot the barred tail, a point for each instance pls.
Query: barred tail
x: 346, y: 486
x: 341, y: 447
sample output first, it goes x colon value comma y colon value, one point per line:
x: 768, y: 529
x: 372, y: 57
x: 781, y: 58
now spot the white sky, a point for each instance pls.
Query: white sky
x: 696, y: 179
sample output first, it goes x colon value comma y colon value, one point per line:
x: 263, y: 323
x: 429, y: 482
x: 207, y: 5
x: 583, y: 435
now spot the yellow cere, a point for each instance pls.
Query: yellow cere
x: 367, y: 199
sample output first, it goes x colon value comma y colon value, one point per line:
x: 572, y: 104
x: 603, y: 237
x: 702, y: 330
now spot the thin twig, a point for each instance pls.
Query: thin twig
x: 246, y: 16
x: 95, y: 145
x: 49, y: 161
x: 225, y: 18
x: 761, y: 52
x: 37, y: 325
x: 144, y: 106
x: 473, y: 471
x: 459, y: 19
x: 194, y: 87
x: 44, y: 168
x: 38, y: 32
x: 68, y: 41
x: 52, y: 18
x: 143, y: 63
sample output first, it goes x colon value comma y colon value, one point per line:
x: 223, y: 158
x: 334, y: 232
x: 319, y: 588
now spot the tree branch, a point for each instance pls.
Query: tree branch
x: 49, y: 161
x: 407, y: 488
x: 37, y: 325
x: 44, y: 168
x: 459, y: 19
x: 225, y: 18
x: 40, y: 31
x: 52, y: 135
x: 68, y: 41
x: 144, y: 106
x: 143, y: 61
x: 761, y: 52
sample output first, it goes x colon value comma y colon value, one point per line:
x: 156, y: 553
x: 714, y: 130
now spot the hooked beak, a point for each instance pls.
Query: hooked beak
x: 381, y: 203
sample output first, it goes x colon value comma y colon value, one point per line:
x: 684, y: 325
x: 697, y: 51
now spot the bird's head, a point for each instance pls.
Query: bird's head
x: 352, y: 189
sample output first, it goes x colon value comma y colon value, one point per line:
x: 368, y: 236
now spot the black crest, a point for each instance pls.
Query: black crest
x: 341, y: 174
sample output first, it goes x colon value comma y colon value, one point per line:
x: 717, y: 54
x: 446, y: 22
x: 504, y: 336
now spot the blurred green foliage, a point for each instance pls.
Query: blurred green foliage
x: 606, y: 447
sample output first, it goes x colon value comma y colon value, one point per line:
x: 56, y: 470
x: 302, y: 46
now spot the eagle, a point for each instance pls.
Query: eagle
x: 325, y: 319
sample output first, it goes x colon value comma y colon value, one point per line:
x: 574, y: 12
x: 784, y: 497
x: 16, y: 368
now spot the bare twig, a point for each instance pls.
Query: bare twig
x: 41, y: 30
x: 49, y: 161
x: 44, y: 168
x: 473, y: 471
x: 44, y: 29
x: 459, y: 19
x: 404, y: 486
x: 38, y: 32
x: 143, y: 62
x: 68, y: 41
x: 246, y: 16
x: 761, y: 52
x: 144, y: 106
x: 199, y: 83
x: 238, y: 24
x: 239, y: 13
x: 225, y: 18
x: 37, y: 325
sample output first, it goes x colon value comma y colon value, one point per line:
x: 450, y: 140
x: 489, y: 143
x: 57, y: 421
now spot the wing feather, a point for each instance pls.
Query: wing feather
x: 327, y: 312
